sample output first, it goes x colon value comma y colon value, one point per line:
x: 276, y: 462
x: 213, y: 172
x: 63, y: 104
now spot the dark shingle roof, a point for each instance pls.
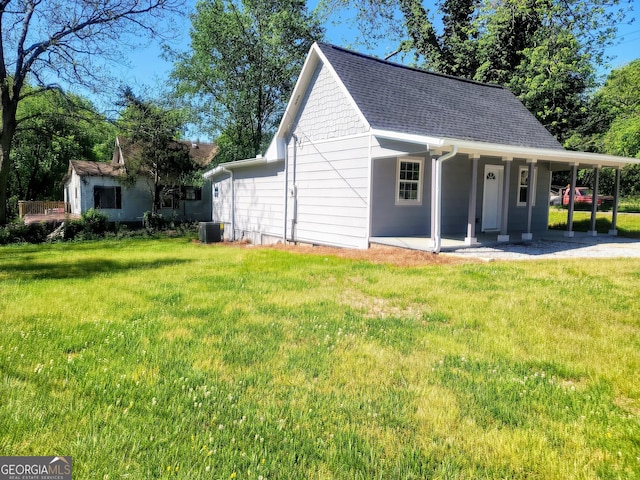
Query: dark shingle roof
x: 402, y: 99
x: 201, y: 153
x: 103, y: 169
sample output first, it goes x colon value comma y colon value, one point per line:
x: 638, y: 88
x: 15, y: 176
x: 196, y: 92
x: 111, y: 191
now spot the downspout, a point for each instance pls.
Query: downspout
x: 286, y: 191
x: 233, y: 204
x: 436, y: 197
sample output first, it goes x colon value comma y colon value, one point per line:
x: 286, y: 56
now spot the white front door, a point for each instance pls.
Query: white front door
x: 492, y: 197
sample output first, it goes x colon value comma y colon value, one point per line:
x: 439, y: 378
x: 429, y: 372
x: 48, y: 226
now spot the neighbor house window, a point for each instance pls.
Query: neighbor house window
x: 191, y: 193
x: 216, y: 191
x: 409, y: 181
x: 168, y: 198
x: 523, y: 185
x: 107, y: 197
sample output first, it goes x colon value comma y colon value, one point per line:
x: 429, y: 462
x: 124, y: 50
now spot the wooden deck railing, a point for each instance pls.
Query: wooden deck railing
x: 42, y: 208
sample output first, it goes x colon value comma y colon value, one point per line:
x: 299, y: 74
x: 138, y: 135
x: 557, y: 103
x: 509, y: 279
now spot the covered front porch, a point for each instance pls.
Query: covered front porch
x: 529, y: 184
x: 466, y: 193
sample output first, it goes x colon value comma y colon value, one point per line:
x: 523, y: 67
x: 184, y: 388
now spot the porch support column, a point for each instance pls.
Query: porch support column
x: 594, y: 202
x: 616, y: 196
x: 574, y: 178
x: 506, y: 182
x: 471, y: 238
x: 528, y: 235
x: 434, y: 186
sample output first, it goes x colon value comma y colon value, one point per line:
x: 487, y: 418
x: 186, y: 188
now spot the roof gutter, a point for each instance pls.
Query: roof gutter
x: 436, y: 198
x: 548, y: 154
x: 226, y: 167
x: 408, y: 137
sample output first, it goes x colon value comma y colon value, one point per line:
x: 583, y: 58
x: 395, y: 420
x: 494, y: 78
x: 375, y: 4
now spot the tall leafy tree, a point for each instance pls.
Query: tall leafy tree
x: 244, y: 59
x: 44, y: 42
x: 54, y: 129
x: 153, y: 149
x: 612, y: 124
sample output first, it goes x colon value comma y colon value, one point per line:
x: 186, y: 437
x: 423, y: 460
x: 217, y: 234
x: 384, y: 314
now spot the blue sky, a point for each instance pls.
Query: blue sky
x: 149, y: 71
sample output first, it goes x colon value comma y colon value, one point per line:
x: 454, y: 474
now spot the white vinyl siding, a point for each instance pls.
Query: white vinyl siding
x: 259, y: 203
x: 221, y: 204
x: 332, y: 188
x: 259, y: 198
x: 328, y: 177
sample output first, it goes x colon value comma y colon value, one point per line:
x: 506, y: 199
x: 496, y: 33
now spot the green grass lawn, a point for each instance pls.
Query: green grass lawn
x: 628, y: 224
x: 167, y: 359
x: 629, y: 204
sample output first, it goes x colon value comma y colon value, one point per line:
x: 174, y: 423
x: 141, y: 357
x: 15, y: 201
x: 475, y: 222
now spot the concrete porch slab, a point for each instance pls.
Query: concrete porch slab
x: 549, y: 244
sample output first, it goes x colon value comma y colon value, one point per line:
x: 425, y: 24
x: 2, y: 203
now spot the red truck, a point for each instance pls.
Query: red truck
x: 583, y: 196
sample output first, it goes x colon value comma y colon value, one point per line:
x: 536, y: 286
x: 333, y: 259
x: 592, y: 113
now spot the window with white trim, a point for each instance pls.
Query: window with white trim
x: 409, y: 181
x: 523, y: 185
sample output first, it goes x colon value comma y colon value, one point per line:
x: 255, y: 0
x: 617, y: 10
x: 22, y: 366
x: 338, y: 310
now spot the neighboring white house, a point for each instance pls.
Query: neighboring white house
x: 369, y: 149
x: 100, y: 185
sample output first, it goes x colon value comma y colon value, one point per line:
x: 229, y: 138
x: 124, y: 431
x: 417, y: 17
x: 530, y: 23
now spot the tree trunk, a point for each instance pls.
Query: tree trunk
x: 6, y: 140
x: 156, y: 193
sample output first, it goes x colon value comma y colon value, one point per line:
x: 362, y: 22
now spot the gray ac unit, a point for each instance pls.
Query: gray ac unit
x: 210, y: 232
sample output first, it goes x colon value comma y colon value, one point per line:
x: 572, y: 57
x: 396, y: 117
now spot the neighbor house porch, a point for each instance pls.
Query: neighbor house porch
x: 44, y: 211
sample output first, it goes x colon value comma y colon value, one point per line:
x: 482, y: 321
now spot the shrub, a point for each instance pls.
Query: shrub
x: 24, y: 233
x: 95, y: 222
x: 153, y: 221
x: 73, y: 229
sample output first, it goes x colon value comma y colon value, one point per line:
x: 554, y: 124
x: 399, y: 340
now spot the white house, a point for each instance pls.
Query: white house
x: 100, y: 185
x: 368, y: 149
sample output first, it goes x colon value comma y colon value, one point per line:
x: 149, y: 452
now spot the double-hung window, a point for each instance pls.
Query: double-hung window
x: 409, y: 181
x: 523, y: 185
